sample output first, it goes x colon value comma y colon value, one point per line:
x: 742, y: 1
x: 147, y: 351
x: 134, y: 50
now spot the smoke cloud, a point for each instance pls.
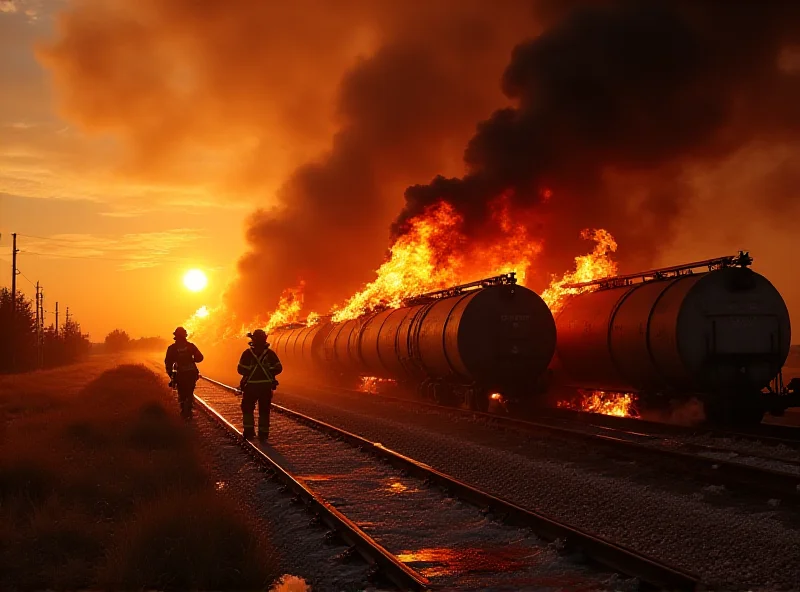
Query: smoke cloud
x: 610, y: 103
x: 326, y: 115
x: 403, y: 110
x: 321, y: 112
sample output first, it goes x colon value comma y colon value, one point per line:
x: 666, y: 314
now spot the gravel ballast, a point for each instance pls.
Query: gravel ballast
x: 728, y: 547
x: 454, y: 545
x: 302, y: 548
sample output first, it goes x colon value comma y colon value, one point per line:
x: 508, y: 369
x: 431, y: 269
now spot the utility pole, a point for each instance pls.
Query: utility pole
x: 67, y: 323
x: 37, y: 313
x: 56, y: 319
x: 41, y: 328
x: 38, y: 327
x: 14, y: 273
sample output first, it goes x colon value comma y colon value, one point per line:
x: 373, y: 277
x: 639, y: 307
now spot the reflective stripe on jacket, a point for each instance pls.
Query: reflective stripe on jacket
x: 259, y: 368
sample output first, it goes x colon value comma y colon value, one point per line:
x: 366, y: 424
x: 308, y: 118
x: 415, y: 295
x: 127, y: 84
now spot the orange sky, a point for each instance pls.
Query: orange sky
x: 121, y: 247
x: 121, y: 224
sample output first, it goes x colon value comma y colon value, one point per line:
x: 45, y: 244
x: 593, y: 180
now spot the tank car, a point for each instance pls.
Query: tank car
x: 457, y: 345
x: 721, y: 335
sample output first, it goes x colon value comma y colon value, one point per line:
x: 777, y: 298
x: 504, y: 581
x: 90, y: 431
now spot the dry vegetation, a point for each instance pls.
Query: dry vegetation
x: 103, y: 486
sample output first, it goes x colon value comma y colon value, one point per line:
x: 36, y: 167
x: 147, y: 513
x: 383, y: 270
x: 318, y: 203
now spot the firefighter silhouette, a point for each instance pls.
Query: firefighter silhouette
x: 181, y: 365
x: 258, y: 365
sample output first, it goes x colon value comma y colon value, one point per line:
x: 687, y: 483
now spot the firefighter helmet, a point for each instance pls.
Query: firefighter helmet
x: 180, y: 332
x: 258, y: 336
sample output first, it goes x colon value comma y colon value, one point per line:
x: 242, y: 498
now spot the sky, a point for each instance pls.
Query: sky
x: 117, y: 248
x: 141, y: 139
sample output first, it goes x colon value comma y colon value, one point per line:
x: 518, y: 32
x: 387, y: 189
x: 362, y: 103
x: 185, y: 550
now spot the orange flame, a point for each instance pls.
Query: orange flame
x: 435, y: 254
x: 373, y: 384
x: 288, y: 311
x: 597, y: 264
x: 213, y: 325
x: 413, y: 266
x: 605, y: 403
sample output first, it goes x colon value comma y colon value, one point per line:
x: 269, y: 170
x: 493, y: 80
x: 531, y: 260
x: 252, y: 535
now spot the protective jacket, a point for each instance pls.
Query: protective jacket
x: 259, y: 365
x: 182, y: 357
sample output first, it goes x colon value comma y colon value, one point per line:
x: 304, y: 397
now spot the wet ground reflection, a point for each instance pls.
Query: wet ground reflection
x: 437, y: 562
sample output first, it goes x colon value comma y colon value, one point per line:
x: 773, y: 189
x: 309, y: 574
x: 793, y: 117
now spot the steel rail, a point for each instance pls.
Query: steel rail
x: 395, y: 570
x: 606, y: 553
x: 771, y: 434
x: 737, y: 475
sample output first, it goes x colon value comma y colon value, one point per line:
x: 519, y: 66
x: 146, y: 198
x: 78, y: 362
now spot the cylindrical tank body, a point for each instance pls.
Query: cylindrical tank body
x: 722, y: 331
x: 301, y: 344
x: 501, y: 337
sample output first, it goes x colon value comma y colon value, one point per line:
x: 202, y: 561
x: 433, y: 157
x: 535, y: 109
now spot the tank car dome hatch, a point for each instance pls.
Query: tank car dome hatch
x: 723, y: 331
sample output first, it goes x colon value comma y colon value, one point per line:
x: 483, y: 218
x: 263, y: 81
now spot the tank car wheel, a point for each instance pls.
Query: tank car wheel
x: 443, y: 394
x: 739, y: 413
x: 747, y: 414
x: 435, y: 392
x: 478, y: 400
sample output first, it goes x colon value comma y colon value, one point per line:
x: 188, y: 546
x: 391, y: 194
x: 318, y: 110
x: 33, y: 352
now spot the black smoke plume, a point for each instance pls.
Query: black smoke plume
x: 610, y: 103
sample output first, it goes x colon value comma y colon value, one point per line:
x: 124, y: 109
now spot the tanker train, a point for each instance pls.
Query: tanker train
x: 720, y: 334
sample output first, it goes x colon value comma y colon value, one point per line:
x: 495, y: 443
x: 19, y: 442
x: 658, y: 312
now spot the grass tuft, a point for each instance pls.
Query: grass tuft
x: 31, y: 479
x: 105, y: 486
x: 199, y: 541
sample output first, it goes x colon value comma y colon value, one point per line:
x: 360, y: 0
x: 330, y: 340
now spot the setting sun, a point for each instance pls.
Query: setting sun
x: 195, y: 280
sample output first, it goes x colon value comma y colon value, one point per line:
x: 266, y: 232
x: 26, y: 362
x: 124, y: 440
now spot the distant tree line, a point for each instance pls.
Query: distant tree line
x: 19, y: 342
x: 118, y: 341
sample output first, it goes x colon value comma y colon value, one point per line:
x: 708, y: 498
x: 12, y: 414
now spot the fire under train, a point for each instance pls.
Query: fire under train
x: 714, y: 330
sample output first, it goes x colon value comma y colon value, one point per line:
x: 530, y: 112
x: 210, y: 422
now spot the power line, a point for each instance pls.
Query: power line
x: 26, y: 277
x: 53, y: 240
x: 47, y: 238
x: 74, y: 256
x: 124, y: 260
x: 79, y: 244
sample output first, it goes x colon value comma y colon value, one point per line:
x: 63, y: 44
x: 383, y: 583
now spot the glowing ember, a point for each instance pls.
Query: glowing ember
x: 495, y: 396
x: 596, y: 264
x: 618, y: 404
x: 372, y: 384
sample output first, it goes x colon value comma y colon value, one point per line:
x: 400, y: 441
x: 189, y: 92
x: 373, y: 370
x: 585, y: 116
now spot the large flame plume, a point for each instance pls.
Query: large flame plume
x: 435, y: 253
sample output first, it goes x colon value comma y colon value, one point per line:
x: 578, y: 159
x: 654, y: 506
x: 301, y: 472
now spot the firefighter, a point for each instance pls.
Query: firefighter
x: 181, y: 364
x: 259, y: 366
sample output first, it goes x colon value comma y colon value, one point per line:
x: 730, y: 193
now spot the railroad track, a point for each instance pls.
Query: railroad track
x: 748, y: 472
x: 390, y: 566
x: 429, y: 506
x: 769, y: 434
